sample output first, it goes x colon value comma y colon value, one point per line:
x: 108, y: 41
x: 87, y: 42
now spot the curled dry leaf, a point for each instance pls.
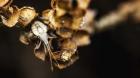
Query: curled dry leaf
x: 27, y: 14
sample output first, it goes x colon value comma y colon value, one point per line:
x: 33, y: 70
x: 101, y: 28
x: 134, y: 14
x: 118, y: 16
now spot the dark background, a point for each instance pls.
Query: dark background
x: 113, y: 53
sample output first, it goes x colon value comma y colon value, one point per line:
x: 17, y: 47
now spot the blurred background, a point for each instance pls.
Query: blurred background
x: 113, y: 53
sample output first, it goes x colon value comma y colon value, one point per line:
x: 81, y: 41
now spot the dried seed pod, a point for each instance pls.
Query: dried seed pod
x: 81, y: 38
x: 39, y: 51
x: 77, y: 12
x: 5, y: 3
x: 27, y: 14
x: 65, y: 20
x: 59, y: 12
x: 5, y: 8
x: 48, y: 17
x: 26, y: 37
x: 63, y: 4
x: 83, y: 4
x: 68, y: 44
x: 64, y: 32
x: 62, y: 65
x: 76, y: 23
x: 53, y: 3
x: 66, y: 55
x: 12, y: 19
x: 88, y: 21
x: 64, y: 58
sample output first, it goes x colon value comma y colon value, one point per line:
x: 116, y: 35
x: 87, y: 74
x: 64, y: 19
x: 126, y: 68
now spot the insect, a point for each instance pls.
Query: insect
x: 40, y: 30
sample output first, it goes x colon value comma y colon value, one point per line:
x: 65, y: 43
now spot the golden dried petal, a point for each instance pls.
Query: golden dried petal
x: 27, y: 14
x: 81, y: 38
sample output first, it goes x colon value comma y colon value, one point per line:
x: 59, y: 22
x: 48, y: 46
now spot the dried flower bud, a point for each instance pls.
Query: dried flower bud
x: 64, y: 32
x: 81, y: 38
x: 27, y: 14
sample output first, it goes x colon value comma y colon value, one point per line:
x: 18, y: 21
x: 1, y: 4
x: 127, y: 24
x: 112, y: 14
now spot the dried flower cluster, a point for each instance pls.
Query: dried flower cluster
x: 124, y: 10
x: 56, y: 34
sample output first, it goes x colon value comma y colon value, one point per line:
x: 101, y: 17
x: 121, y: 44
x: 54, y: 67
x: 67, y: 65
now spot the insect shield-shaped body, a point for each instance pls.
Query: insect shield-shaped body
x: 40, y: 30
